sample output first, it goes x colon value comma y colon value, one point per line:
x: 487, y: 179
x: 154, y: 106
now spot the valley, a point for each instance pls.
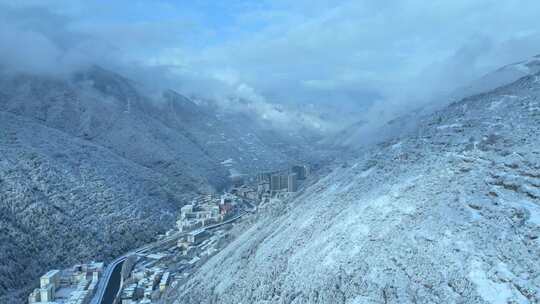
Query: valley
x: 156, y: 271
x: 269, y: 152
x: 82, y: 177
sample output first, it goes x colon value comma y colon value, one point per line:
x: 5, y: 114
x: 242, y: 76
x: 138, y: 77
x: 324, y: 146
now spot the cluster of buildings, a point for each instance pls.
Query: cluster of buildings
x: 246, y: 192
x: 282, y: 181
x: 189, y: 244
x: 154, y: 273
x: 204, y: 226
x: 75, y: 285
x: 206, y: 210
x: 147, y: 283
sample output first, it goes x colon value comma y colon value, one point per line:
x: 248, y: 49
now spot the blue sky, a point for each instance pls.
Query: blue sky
x: 377, y: 55
x: 203, y: 23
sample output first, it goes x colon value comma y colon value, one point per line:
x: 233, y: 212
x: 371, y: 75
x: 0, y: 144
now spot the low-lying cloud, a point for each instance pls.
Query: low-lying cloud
x: 355, y: 60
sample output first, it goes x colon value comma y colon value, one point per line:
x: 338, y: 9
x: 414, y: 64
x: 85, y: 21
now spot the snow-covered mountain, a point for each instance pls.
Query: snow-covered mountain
x: 449, y: 213
x: 65, y: 200
x: 361, y: 133
x: 502, y: 76
x: 90, y: 166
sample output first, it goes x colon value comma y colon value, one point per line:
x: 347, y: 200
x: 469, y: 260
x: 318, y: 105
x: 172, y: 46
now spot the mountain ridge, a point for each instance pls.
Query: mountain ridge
x: 443, y: 215
x: 92, y: 151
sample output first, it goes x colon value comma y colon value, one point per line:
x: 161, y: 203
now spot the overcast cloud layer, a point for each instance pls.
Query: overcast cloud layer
x: 378, y: 56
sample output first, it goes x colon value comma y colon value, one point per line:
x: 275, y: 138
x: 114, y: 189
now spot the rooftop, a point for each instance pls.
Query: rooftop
x: 51, y: 273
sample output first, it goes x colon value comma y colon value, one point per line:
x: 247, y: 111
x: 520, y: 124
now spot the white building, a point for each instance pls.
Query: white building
x: 69, y: 286
x: 46, y: 293
x: 164, y: 282
x: 50, y: 278
x: 34, y: 297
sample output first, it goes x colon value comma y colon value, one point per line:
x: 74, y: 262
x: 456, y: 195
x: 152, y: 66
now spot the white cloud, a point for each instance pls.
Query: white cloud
x: 365, y: 55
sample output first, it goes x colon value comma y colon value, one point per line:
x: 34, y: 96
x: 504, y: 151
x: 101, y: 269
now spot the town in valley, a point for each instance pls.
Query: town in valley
x: 203, y: 228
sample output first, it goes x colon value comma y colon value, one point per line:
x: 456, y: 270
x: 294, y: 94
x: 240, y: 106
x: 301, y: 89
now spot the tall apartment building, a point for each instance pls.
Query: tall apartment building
x: 283, y: 182
x: 292, y: 182
x: 263, y: 178
x: 301, y: 171
x: 275, y: 183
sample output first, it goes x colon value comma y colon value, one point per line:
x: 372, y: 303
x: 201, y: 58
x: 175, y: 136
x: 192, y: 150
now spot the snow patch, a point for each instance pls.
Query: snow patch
x: 228, y: 162
x: 495, y: 104
x: 366, y: 173
x: 523, y: 67
x: 490, y: 291
x: 357, y: 300
x: 443, y: 127
x: 234, y: 173
x: 396, y: 145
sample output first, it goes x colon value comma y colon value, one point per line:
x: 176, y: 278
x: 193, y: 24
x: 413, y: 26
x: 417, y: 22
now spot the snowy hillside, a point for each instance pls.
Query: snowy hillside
x: 65, y: 200
x: 449, y: 214
x: 171, y: 134
x: 90, y: 167
x: 361, y: 133
x: 502, y: 76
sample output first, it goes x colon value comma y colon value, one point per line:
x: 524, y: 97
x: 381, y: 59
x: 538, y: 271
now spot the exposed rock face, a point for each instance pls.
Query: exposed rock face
x: 90, y: 167
x: 449, y: 214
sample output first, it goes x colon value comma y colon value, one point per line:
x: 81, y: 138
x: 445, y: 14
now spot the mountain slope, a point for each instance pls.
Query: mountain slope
x: 500, y: 77
x: 90, y: 167
x: 170, y: 134
x: 107, y: 110
x: 361, y: 134
x: 63, y: 206
x: 448, y: 214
